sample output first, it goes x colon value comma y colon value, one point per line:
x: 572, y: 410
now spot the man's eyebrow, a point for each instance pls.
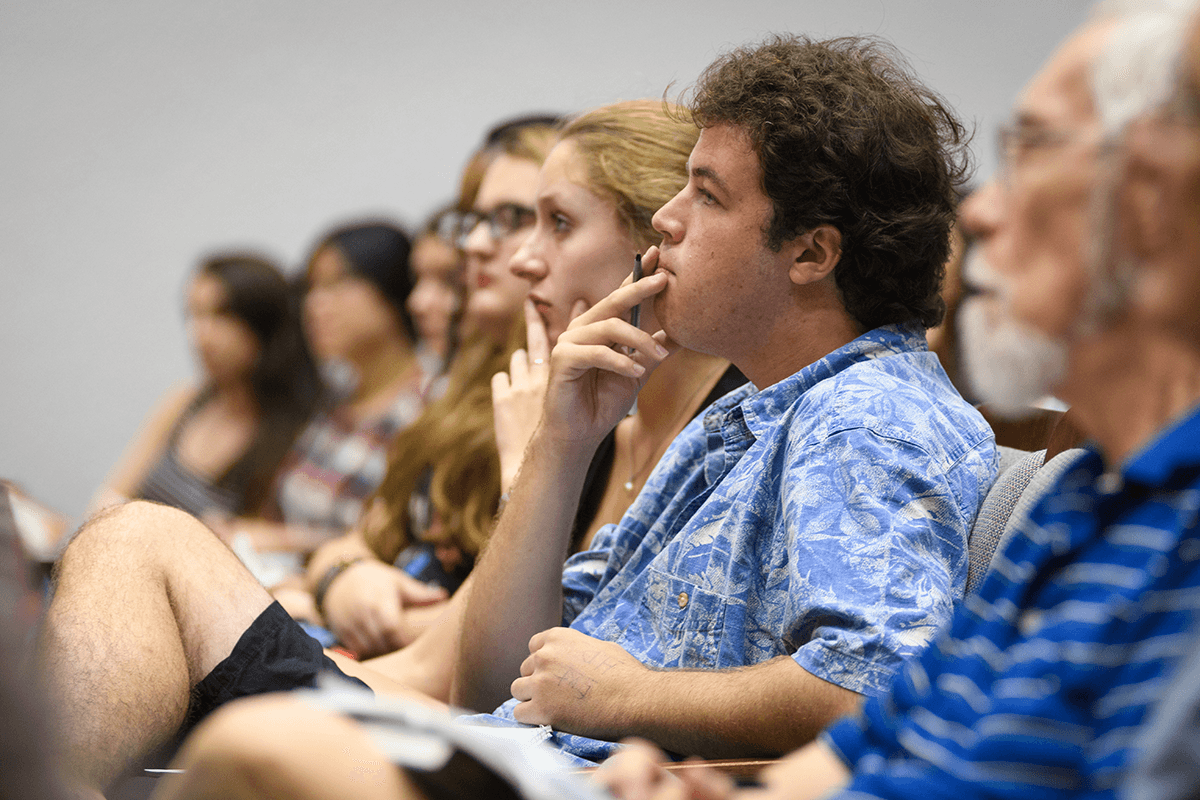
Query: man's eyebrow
x: 1025, y: 118
x: 709, y: 175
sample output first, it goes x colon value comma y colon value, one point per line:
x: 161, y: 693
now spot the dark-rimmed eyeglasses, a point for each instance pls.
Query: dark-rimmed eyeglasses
x: 502, y: 221
x: 446, y: 226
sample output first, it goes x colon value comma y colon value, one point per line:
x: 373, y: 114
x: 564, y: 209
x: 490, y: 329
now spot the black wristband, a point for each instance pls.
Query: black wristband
x: 330, y: 576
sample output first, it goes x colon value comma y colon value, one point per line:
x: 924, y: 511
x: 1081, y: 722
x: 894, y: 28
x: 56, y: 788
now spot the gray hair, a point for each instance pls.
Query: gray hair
x: 1137, y: 70
x: 1135, y: 74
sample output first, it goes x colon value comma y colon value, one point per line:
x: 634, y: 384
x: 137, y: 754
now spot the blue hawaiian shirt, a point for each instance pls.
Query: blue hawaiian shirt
x: 1040, y: 686
x: 824, y: 517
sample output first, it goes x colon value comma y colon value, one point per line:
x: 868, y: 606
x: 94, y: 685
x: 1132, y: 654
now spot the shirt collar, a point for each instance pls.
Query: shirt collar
x: 1176, y: 447
x: 762, y: 408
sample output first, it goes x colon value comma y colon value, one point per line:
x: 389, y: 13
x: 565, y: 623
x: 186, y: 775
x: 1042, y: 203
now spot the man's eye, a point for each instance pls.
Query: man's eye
x: 1032, y: 139
x: 505, y: 217
x: 560, y: 223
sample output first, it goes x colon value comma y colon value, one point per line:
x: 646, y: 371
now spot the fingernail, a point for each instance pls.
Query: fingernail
x: 662, y: 351
x: 638, y: 369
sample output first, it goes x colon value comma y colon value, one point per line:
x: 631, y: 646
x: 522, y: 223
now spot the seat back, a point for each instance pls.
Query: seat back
x: 1035, y: 479
x: 1017, y: 468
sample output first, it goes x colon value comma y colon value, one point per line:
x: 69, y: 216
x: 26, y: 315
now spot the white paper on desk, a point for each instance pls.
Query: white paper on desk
x: 413, y: 735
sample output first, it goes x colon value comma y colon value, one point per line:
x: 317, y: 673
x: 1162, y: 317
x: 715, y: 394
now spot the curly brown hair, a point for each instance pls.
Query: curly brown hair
x: 848, y: 136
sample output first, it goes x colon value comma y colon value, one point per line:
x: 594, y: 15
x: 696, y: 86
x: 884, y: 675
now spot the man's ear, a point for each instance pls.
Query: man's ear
x: 814, y: 254
x: 1141, y: 214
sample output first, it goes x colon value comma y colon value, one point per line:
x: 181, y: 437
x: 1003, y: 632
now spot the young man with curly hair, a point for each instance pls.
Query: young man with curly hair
x: 801, y: 538
x: 796, y: 544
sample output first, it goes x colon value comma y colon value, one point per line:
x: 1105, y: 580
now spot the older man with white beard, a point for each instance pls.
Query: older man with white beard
x: 1159, y: 206
x: 1040, y: 684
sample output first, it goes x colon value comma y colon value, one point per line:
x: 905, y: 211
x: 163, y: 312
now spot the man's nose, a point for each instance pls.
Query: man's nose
x: 980, y: 214
x: 668, y: 221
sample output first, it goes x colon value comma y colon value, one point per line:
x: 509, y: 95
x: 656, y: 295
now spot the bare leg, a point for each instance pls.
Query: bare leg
x: 277, y: 747
x: 147, y: 602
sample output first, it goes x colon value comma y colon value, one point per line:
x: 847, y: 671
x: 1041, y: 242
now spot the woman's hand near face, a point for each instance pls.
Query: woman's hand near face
x: 600, y: 363
x: 517, y: 397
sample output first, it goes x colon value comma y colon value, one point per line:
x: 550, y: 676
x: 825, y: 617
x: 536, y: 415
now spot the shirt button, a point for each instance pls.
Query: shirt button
x: 683, y: 598
x: 1110, y: 483
x: 1030, y: 622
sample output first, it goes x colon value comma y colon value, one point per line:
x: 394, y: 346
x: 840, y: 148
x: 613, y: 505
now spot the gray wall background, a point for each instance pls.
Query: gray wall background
x: 137, y: 134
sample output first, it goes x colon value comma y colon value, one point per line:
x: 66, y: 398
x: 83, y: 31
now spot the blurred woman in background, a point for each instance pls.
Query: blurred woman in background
x: 212, y: 448
x: 442, y: 489
x: 357, y: 282
x: 436, y: 300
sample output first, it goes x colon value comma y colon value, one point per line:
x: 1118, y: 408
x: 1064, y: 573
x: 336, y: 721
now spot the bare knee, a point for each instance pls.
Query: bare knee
x: 133, y: 533
x: 136, y: 523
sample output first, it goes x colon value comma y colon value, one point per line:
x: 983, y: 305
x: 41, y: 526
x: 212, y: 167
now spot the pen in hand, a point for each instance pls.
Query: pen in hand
x: 635, y: 314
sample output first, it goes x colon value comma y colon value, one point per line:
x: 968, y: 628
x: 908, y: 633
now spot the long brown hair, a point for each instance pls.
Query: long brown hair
x: 284, y: 381
x: 453, y: 445
x: 453, y: 442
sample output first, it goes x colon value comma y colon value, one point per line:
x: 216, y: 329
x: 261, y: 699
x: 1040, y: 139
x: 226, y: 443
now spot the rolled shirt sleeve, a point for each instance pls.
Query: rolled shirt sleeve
x: 876, y: 545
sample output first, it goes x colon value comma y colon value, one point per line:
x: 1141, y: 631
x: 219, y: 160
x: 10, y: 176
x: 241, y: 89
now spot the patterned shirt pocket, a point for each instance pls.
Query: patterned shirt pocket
x: 687, y: 621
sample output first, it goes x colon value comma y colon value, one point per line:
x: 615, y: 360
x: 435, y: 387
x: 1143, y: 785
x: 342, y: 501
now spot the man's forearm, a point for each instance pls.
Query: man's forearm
x: 517, y: 589
x: 765, y: 710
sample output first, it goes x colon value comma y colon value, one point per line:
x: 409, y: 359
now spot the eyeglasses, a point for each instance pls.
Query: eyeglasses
x: 1017, y: 141
x: 446, y: 226
x: 502, y: 221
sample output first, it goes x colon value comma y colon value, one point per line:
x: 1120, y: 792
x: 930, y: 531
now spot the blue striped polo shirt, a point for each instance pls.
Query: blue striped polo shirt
x: 1040, y: 684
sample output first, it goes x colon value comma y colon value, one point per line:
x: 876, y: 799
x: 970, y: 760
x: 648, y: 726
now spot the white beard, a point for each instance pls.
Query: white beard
x: 1009, y: 364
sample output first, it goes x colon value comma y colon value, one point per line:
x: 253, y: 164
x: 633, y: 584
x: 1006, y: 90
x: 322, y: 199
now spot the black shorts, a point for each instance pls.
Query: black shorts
x: 273, y: 655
